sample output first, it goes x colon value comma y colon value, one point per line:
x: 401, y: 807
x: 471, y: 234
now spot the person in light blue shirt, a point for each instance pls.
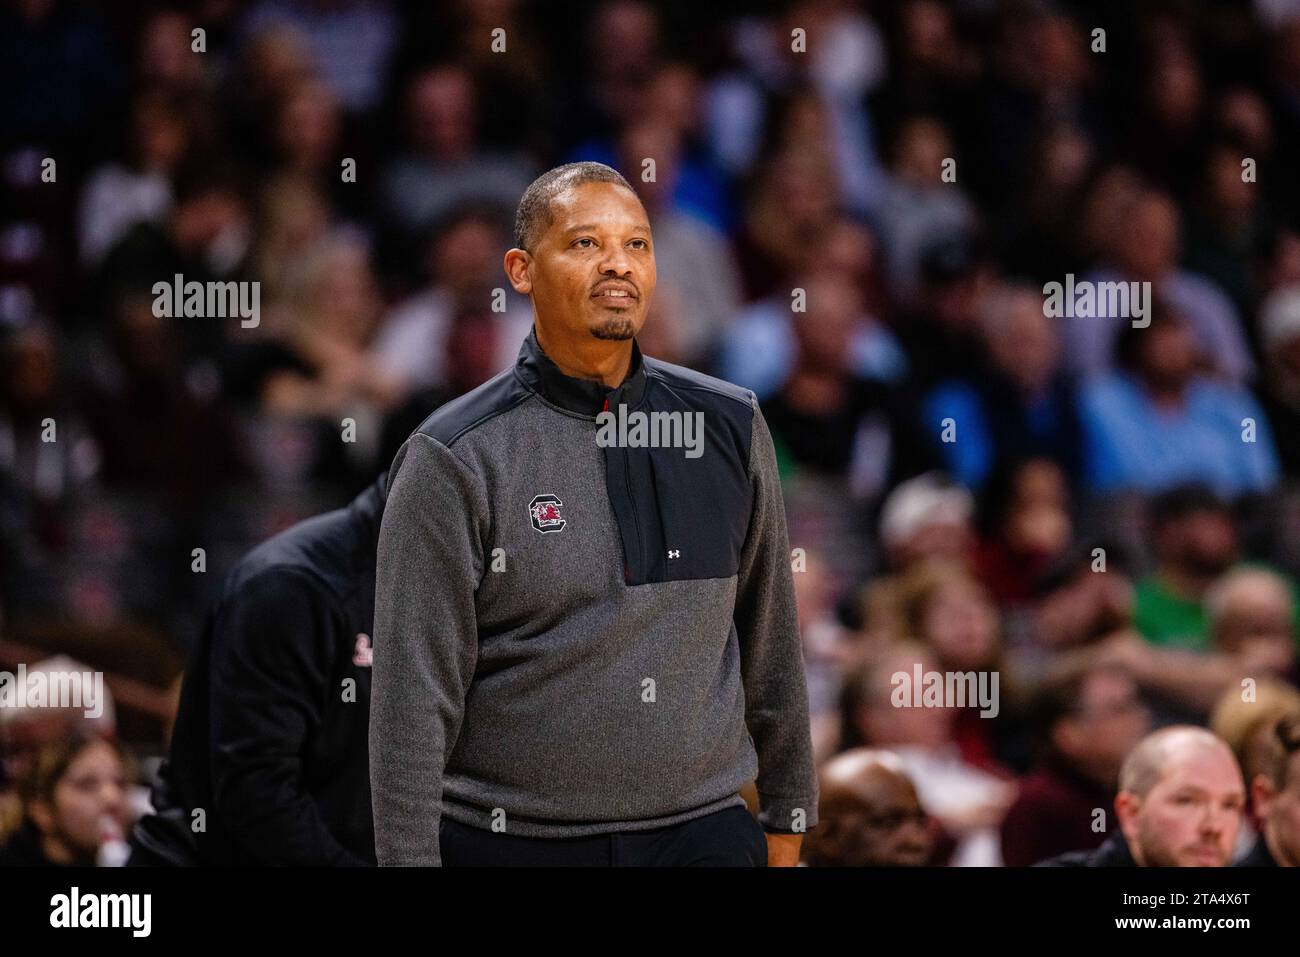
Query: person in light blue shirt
x: 1159, y: 421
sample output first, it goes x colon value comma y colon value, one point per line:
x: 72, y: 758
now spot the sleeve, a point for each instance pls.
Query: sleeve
x: 771, y: 655
x: 430, y: 560
x: 271, y: 663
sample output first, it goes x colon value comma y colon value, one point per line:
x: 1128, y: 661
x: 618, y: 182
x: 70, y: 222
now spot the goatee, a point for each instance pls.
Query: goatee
x: 618, y: 327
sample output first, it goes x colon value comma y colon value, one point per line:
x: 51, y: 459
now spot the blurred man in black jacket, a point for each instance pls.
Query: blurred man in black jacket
x: 269, y: 760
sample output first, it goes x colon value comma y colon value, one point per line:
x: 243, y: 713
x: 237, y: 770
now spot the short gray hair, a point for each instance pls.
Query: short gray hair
x: 534, y: 213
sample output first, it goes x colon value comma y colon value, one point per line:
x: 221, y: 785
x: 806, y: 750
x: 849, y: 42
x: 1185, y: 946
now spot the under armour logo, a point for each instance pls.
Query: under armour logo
x: 674, y: 553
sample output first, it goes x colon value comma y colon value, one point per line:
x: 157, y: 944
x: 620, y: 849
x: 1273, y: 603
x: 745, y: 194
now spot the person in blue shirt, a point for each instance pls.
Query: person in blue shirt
x: 1159, y: 420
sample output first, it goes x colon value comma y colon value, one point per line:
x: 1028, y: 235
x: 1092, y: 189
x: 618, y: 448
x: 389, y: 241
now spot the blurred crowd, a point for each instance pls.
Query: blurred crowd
x: 1103, y: 513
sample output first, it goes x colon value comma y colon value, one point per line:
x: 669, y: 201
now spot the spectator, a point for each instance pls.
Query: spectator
x: 1088, y: 718
x: 1022, y: 404
x: 942, y: 607
x: 869, y: 815
x: 74, y: 802
x: 1276, y: 795
x: 205, y: 238
x: 463, y: 264
x: 1082, y: 598
x: 927, y: 517
x: 1157, y: 422
x: 351, y: 41
x: 119, y: 195
x: 791, y: 206
x: 1180, y: 804
x: 940, y: 328
x: 920, y: 206
x: 828, y: 420
x: 758, y: 350
x: 444, y: 164
x: 1279, y: 387
x: 1024, y: 527
x: 1146, y: 249
x: 968, y: 801
x: 1246, y: 723
x: 1252, y: 615
x: 1195, y: 542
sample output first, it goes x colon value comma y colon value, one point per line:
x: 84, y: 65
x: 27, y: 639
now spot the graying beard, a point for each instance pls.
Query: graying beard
x: 615, y: 329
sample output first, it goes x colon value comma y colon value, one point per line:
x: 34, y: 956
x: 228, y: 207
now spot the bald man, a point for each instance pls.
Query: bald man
x: 1180, y: 804
x: 870, y: 815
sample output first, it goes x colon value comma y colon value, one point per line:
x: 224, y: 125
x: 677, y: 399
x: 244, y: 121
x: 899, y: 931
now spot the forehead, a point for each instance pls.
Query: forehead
x: 1210, y: 769
x: 879, y: 789
x: 607, y: 205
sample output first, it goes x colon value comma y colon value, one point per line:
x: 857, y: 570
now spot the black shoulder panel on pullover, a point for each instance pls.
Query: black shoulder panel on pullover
x: 707, y: 392
x: 499, y: 394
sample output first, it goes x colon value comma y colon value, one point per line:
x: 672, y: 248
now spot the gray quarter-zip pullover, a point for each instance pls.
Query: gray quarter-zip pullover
x: 575, y: 638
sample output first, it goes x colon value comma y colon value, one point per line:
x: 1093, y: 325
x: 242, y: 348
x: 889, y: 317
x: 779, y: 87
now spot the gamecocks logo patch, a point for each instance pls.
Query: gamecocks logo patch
x: 544, y: 511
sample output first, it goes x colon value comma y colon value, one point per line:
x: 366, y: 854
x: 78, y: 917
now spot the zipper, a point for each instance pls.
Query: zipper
x: 627, y: 485
x: 636, y: 521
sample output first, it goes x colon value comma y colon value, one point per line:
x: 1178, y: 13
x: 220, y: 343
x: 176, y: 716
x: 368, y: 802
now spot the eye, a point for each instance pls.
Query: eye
x: 584, y: 239
x: 643, y: 243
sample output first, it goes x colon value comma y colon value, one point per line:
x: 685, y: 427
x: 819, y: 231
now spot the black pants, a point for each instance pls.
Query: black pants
x: 727, y: 838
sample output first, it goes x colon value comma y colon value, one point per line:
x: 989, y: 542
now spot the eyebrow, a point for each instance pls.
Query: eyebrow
x: 592, y: 226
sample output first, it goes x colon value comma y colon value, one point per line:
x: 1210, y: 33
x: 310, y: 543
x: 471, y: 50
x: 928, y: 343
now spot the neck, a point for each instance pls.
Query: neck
x: 1168, y: 395
x: 814, y: 389
x: 602, y: 360
x: 1275, y: 848
x: 1186, y: 584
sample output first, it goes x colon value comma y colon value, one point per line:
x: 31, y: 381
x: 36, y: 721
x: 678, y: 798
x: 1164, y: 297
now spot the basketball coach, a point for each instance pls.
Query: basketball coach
x: 585, y: 635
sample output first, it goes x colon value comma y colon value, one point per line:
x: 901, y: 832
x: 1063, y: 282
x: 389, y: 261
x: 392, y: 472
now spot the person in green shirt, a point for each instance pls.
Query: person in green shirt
x: 1195, y: 542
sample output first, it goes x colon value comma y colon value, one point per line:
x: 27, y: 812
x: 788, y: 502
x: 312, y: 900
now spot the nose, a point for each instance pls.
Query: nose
x: 1215, y: 822
x: 616, y: 263
x: 112, y: 797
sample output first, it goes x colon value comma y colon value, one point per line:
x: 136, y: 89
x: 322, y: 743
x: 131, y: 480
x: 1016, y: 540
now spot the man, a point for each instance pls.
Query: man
x: 1251, y: 615
x: 1090, y: 716
x: 270, y: 738
x: 1180, y: 804
x: 589, y: 641
x: 1195, y: 542
x: 1276, y: 793
x: 870, y: 815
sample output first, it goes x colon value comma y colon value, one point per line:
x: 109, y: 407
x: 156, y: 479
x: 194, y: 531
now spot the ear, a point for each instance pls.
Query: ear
x: 518, y: 270
x: 43, y: 816
x: 1262, y: 793
x: 1127, y: 806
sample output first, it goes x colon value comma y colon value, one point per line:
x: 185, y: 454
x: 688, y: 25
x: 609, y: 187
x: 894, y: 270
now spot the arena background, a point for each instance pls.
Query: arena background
x: 919, y: 170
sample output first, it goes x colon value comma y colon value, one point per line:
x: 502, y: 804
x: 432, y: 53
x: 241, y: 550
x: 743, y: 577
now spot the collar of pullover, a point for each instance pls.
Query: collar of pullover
x: 583, y: 396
